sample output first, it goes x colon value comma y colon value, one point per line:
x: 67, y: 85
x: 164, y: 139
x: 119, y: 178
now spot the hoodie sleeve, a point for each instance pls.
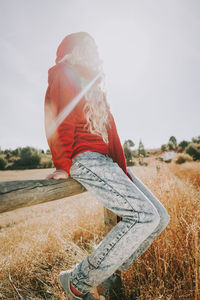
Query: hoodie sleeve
x: 116, y: 151
x: 59, y: 94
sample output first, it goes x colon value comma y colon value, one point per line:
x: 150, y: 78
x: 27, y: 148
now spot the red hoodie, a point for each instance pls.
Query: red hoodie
x: 72, y: 135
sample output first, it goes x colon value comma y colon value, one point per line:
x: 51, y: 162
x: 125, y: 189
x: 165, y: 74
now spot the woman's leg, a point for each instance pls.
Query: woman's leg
x: 164, y: 220
x: 109, y: 184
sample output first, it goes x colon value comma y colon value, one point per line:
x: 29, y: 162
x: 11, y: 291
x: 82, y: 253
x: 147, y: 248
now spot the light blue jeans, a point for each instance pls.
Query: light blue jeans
x: 143, y: 218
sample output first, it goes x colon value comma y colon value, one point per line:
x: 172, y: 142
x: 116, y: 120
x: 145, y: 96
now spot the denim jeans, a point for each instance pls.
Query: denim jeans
x: 143, y: 218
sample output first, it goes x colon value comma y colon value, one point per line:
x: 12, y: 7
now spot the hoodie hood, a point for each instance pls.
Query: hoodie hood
x: 65, y: 47
x: 68, y: 43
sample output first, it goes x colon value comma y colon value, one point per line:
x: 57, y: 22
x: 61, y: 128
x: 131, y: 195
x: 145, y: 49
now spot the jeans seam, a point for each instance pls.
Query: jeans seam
x: 102, y: 259
x: 116, y: 192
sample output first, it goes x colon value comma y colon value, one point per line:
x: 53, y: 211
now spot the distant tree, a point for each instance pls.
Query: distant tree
x: 171, y: 145
x: 141, y: 150
x: 128, y: 155
x: 173, y: 140
x: 183, y: 144
x: 128, y: 144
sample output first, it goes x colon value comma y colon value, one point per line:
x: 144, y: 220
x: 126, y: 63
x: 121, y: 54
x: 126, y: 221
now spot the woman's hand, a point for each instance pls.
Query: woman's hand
x: 58, y: 174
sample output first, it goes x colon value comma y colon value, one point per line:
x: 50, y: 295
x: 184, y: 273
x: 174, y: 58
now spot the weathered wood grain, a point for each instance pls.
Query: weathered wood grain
x: 16, y: 194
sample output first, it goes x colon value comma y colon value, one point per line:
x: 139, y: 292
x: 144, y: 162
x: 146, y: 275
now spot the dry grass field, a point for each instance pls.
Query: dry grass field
x: 37, y: 242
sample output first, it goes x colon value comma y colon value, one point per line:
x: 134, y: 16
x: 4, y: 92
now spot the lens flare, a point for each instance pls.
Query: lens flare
x: 68, y: 108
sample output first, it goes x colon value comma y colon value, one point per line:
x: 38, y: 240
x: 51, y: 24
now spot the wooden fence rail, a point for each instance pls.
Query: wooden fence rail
x: 16, y: 194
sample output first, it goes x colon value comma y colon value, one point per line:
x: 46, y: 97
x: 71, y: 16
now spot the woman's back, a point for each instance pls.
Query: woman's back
x: 73, y: 135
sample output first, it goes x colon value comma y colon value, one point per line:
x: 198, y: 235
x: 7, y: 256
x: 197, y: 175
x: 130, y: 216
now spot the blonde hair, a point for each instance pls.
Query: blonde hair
x: 96, y: 106
x: 96, y: 112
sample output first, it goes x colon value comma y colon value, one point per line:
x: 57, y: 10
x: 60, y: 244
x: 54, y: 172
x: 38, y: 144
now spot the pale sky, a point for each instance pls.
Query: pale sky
x: 151, y: 54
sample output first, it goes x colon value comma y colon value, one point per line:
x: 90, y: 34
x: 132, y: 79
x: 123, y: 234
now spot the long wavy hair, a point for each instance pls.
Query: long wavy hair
x: 85, y: 54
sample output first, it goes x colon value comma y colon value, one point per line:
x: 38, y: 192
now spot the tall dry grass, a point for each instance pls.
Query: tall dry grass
x: 170, y: 267
x: 37, y: 242
x: 188, y: 171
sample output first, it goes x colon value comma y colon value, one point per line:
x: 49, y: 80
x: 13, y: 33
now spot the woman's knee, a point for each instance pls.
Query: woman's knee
x: 150, y: 216
x: 161, y: 219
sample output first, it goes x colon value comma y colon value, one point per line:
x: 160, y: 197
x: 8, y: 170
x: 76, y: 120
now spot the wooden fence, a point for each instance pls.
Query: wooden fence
x: 17, y: 194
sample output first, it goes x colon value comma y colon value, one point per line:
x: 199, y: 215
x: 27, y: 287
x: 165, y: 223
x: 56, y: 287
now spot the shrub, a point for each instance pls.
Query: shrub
x: 3, y: 163
x: 181, y: 158
x: 192, y: 151
x: 17, y: 151
x: 50, y: 164
x: 164, y: 147
x: 171, y: 146
x: 196, y: 139
x: 142, y: 163
x: 183, y: 144
x: 173, y: 140
x: 135, y: 153
x: 8, y: 155
x: 29, y: 159
x: 131, y: 163
x: 46, y: 164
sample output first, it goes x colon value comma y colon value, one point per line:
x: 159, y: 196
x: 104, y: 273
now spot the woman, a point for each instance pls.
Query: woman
x: 86, y: 146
